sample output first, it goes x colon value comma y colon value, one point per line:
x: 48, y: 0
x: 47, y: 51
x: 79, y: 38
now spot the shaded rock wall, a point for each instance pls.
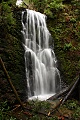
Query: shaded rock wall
x: 12, y: 54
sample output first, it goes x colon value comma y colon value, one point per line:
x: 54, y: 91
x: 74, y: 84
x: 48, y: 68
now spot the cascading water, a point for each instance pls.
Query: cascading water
x: 43, y: 77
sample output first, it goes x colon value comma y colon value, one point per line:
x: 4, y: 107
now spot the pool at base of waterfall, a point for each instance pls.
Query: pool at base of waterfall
x: 41, y: 97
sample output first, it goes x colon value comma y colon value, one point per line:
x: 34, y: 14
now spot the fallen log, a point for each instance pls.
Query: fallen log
x: 63, y: 92
x: 70, y: 91
x: 56, y: 107
x: 10, y: 82
x: 57, y: 95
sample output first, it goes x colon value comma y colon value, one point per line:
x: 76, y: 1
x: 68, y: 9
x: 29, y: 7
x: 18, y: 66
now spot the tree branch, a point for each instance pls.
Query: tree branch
x: 10, y: 82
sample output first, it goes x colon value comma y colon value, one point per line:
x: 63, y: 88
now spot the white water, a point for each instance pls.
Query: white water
x: 43, y: 79
x: 19, y: 2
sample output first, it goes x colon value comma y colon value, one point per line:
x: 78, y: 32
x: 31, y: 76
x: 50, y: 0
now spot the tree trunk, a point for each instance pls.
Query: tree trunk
x: 10, y: 82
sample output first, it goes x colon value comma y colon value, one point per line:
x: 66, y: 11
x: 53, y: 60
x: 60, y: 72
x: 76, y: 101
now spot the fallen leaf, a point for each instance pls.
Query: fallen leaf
x: 27, y: 113
x: 49, y: 113
x: 61, y: 118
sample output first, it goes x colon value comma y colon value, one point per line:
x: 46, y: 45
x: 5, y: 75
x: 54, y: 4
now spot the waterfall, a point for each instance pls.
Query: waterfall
x: 42, y: 75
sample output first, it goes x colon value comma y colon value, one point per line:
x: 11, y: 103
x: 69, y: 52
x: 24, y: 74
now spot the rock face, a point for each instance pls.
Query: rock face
x: 12, y: 54
x: 64, y: 27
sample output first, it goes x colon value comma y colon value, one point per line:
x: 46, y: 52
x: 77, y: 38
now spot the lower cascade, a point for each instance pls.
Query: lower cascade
x: 42, y: 75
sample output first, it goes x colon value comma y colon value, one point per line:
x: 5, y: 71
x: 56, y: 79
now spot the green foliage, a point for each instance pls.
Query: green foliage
x: 46, y: 6
x: 48, y: 12
x: 40, y: 5
x: 7, y: 15
x: 73, y: 20
x: 11, y: 44
x: 76, y: 115
x: 73, y: 105
x: 4, y: 109
x: 56, y: 4
x: 67, y: 46
x: 35, y: 117
x: 76, y: 4
x: 12, y: 118
x: 53, y: 118
x: 38, y: 105
x: 52, y: 7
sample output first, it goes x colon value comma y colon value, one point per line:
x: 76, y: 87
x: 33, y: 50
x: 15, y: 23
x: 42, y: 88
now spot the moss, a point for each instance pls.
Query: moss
x: 65, y: 31
x: 12, y: 52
